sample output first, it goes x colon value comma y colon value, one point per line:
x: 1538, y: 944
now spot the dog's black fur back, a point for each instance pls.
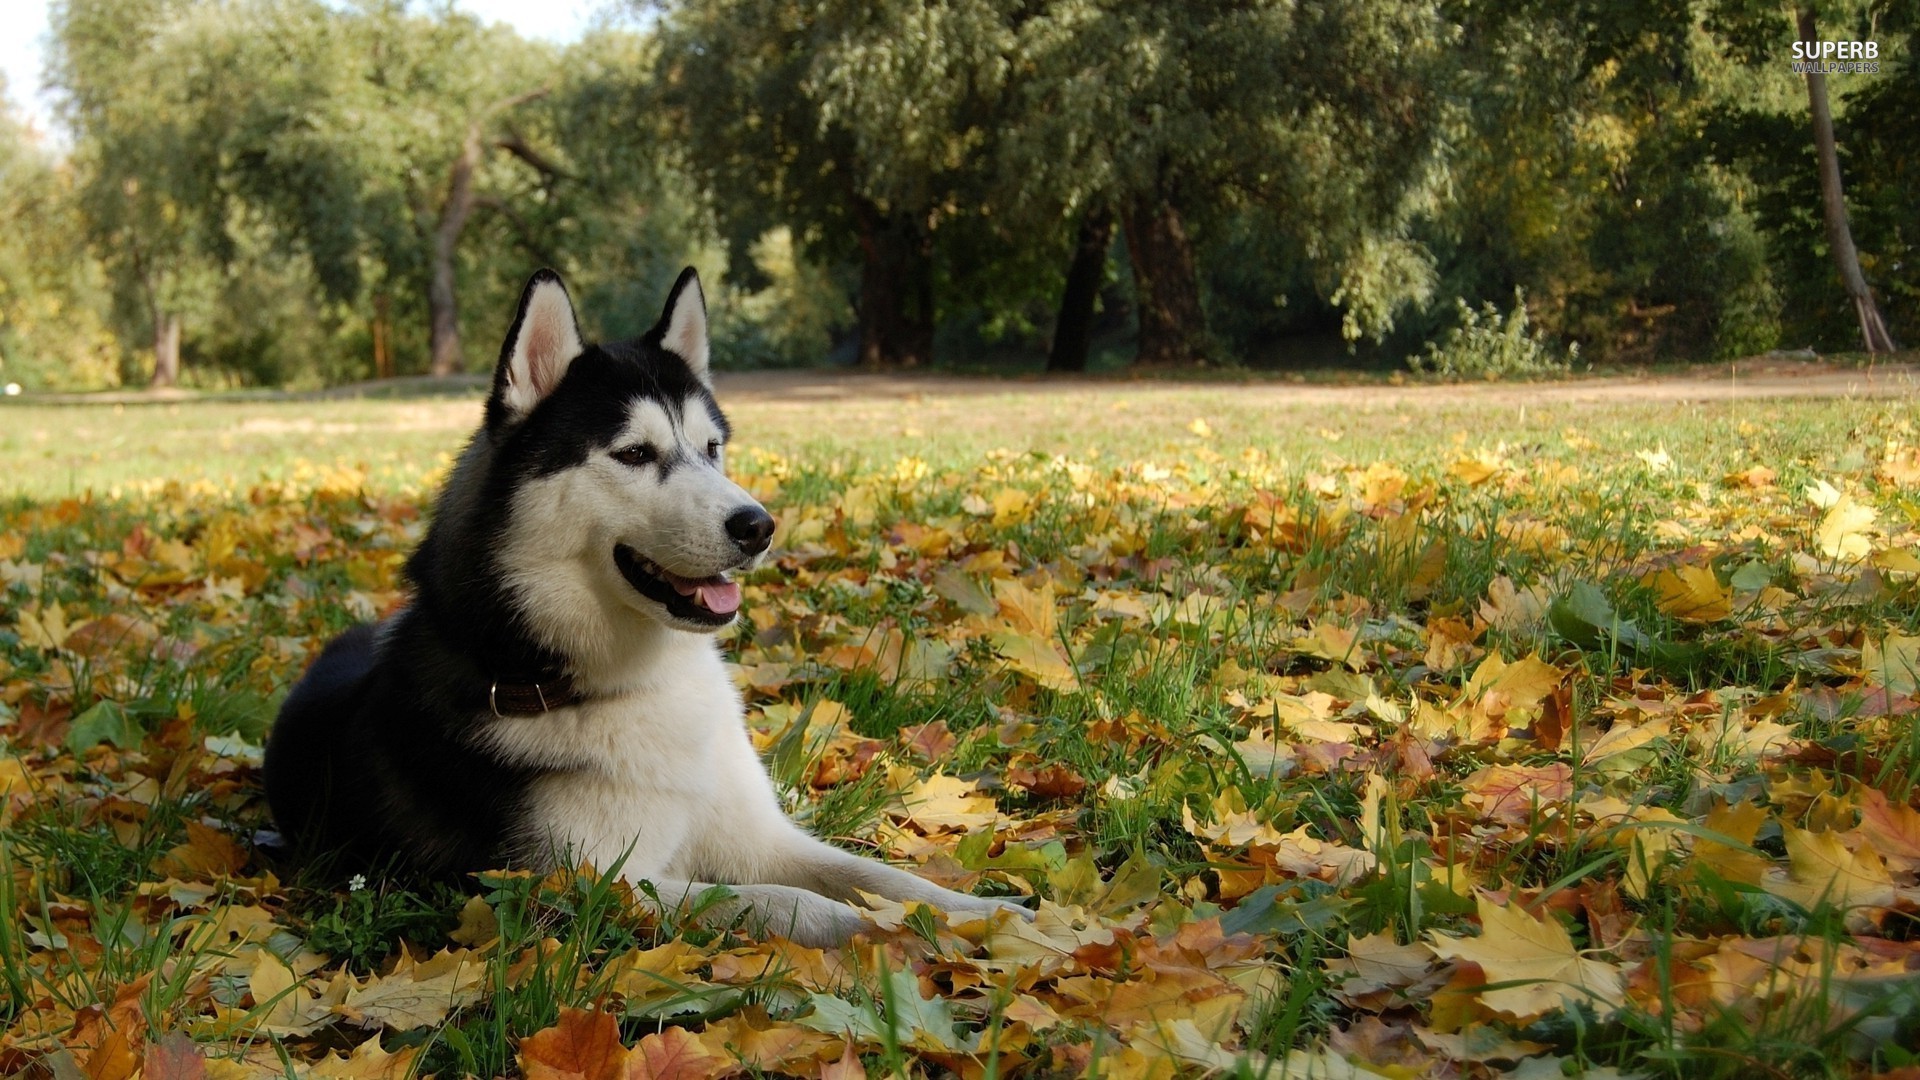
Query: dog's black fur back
x: 362, y: 765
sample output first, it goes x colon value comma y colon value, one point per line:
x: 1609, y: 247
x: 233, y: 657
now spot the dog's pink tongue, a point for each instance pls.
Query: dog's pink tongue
x: 721, y: 598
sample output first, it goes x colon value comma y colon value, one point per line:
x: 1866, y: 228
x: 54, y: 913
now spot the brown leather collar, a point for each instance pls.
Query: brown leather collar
x: 532, y: 698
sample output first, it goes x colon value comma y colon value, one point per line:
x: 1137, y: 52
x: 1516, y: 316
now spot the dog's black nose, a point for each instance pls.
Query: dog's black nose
x: 751, y: 528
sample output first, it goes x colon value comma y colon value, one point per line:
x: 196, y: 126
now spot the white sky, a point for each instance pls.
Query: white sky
x: 23, y: 31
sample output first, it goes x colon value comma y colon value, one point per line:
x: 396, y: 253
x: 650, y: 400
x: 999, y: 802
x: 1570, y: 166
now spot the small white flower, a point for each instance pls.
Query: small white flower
x: 356, y: 882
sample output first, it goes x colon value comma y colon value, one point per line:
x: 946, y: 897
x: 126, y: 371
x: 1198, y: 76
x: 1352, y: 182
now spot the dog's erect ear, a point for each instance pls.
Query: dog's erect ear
x: 544, y: 340
x: 683, y: 325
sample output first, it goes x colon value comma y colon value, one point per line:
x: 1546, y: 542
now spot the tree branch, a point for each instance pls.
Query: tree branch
x: 513, y: 144
x: 528, y: 237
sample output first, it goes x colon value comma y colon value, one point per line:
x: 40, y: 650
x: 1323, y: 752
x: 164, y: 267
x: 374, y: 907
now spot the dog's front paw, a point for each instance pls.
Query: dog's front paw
x: 965, y: 904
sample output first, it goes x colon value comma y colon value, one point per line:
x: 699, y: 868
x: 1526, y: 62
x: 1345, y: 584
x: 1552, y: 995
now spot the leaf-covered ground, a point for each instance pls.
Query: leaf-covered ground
x: 1367, y: 745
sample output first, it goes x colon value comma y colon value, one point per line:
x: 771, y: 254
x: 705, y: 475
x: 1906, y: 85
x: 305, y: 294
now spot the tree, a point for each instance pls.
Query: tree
x: 146, y: 181
x: 365, y: 141
x: 1833, y: 202
x: 1325, y: 119
x: 1766, y: 130
x: 744, y: 86
x: 1073, y: 325
x: 52, y: 291
x: 371, y: 138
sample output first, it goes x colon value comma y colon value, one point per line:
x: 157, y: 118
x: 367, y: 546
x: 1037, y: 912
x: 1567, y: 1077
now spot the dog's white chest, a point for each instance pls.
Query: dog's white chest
x: 638, y: 780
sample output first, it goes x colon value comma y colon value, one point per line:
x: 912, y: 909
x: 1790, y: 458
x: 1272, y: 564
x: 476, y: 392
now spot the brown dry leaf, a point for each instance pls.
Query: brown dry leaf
x: 1624, y: 738
x: 1437, y: 723
x: 1375, y: 963
x: 847, y: 1066
x: 1739, y: 823
x: 114, y: 1058
x: 1515, y: 794
x: 1478, y: 468
x: 1901, y: 465
x: 1691, y: 593
x: 931, y: 741
x: 226, y: 927
x: 1026, y: 611
x: 1037, y: 657
x: 1842, y: 533
x: 582, y: 1045
x: 175, y: 1057
x: 1892, y: 661
x: 1167, y: 994
x: 1450, y: 643
x: 282, y: 998
x: 780, y: 959
x: 368, y: 1061
x: 943, y: 803
x: 674, y: 1054
x: 1513, y: 610
x: 1233, y: 824
x: 1047, y: 781
x: 1516, y: 947
x: 1730, y: 734
x: 43, y: 627
x: 753, y: 1040
x: 1332, y: 640
x: 1499, y: 686
x: 416, y: 995
x: 1031, y: 1011
x: 1892, y: 828
x: 478, y: 925
x: 111, y: 1039
x: 99, y: 639
x: 1300, y: 855
x: 1045, y: 944
x: 208, y: 853
x: 1756, y: 478
x: 1823, y: 869
x: 644, y: 975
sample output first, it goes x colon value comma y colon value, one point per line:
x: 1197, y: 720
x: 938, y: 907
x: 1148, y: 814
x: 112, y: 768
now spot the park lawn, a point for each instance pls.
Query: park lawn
x: 1436, y: 737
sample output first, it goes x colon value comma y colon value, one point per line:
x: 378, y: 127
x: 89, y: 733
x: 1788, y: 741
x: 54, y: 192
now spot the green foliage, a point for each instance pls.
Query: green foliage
x: 365, y: 926
x: 1487, y: 344
x: 1288, y: 182
x: 793, y: 320
x: 52, y: 295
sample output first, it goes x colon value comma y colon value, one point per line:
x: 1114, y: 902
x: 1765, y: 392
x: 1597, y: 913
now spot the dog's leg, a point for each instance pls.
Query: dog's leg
x: 814, y: 865
x: 750, y: 838
x: 797, y: 914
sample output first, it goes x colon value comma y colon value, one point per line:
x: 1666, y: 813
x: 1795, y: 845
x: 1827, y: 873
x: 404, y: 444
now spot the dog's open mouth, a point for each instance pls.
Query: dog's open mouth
x: 709, y: 600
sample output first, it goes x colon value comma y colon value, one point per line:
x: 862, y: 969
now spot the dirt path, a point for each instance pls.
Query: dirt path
x: 1726, y: 382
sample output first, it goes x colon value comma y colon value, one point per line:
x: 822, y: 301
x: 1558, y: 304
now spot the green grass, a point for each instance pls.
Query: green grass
x: 69, y: 450
x: 285, y: 518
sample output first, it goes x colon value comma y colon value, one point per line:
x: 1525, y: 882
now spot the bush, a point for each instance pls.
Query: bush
x: 1489, y: 345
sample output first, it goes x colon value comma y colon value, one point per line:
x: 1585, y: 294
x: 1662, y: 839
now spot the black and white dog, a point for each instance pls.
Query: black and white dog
x: 554, y: 692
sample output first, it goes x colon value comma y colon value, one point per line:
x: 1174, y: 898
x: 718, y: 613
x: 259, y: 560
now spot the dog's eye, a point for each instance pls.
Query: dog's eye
x: 713, y: 450
x: 636, y: 456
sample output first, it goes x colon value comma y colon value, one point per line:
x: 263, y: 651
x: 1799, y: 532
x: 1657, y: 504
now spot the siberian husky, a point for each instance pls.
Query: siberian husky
x: 554, y: 693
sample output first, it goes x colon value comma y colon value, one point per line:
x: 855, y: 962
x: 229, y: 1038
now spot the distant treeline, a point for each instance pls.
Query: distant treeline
x: 304, y: 191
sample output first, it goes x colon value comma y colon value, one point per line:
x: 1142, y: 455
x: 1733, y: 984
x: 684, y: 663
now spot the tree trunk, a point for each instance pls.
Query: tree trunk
x: 166, y: 349
x: 1173, y: 328
x: 443, y: 309
x: 382, y: 357
x: 896, y: 289
x: 1073, y: 328
x: 1833, y: 203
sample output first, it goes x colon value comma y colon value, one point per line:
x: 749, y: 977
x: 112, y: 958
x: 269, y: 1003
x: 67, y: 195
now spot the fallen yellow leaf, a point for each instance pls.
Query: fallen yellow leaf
x: 1538, y: 954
